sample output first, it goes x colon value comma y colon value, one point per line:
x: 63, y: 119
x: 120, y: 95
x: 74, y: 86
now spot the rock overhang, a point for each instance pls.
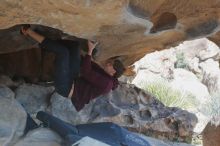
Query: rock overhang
x: 128, y: 29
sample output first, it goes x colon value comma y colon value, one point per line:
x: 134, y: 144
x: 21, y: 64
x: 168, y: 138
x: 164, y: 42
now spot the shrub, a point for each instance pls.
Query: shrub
x: 180, y: 62
x: 212, y: 109
x: 170, y: 97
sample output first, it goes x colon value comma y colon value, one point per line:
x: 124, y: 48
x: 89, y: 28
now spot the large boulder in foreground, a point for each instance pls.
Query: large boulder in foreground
x: 127, y: 106
x: 12, y: 118
x: 34, y: 98
x: 132, y: 108
x: 40, y: 137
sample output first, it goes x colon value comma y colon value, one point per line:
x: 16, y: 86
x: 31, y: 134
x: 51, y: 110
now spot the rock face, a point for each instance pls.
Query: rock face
x: 211, y: 135
x: 42, y: 137
x: 12, y: 118
x: 211, y: 73
x: 127, y: 106
x: 191, y: 68
x: 186, y: 81
x: 33, y: 97
x: 24, y: 64
x: 126, y: 28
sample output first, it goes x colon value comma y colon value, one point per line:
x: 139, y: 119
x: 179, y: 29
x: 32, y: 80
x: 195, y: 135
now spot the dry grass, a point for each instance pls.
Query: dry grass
x: 169, y: 96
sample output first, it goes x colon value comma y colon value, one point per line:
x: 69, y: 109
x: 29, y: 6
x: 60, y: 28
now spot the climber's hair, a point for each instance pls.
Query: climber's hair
x: 117, y: 65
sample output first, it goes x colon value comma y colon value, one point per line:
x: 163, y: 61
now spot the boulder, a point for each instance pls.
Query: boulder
x: 188, y: 83
x: 132, y: 108
x: 200, y: 48
x: 128, y: 29
x: 211, y: 135
x: 145, y: 77
x: 12, y: 118
x: 63, y: 108
x: 33, y: 97
x: 40, y: 136
x: 211, y: 75
x: 127, y: 106
x: 193, y: 66
x: 211, y: 51
x: 5, y: 80
x: 160, y: 62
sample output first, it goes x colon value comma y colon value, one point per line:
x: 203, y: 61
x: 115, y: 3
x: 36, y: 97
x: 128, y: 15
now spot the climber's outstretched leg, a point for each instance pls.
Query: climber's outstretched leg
x: 67, y: 62
x: 62, y: 128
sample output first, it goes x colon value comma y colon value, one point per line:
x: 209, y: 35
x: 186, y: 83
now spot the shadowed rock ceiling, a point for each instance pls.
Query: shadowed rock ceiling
x: 125, y: 28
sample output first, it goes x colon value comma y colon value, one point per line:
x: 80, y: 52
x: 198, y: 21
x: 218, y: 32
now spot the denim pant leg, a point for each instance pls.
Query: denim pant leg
x: 62, y: 128
x: 74, y: 59
x: 63, y: 82
x: 30, y: 124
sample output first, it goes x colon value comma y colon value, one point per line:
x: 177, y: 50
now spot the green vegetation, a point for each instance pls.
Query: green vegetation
x: 180, y: 62
x: 212, y: 109
x: 197, y: 139
x: 169, y: 96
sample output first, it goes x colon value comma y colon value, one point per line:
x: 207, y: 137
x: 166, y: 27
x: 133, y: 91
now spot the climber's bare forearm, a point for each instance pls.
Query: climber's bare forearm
x: 37, y: 37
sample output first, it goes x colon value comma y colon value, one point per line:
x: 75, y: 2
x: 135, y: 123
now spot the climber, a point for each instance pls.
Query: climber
x: 76, y: 76
x: 106, y: 132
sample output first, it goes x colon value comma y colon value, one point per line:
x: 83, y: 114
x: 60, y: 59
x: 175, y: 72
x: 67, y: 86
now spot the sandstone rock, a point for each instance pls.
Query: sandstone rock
x: 42, y: 137
x: 127, y: 106
x: 5, y: 80
x: 156, y: 142
x: 63, y: 108
x: 31, y: 65
x: 12, y: 118
x: 182, y: 80
x: 201, y: 48
x: 211, y: 51
x: 211, y: 135
x: 177, y: 120
x: 211, y: 109
x: 145, y: 77
x: 89, y: 141
x: 203, y: 120
x: 130, y: 107
x: 161, y: 63
x: 24, y: 64
x: 6, y: 92
x: 33, y: 97
x: 153, y: 142
x: 193, y: 65
x: 211, y: 75
x: 144, y: 26
x: 187, y: 82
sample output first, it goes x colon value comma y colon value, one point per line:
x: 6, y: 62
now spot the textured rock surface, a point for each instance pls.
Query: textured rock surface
x: 12, y: 118
x: 24, y: 64
x: 34, y: 98
x: 32, y: 65
x: 186, y: 82
x: 211, y: 75
x: 130, y: 107
x: 40, y: 136
x: 127, y: 106
x: 198, y: 71
x: 126, y: 28
x: 211, y: 135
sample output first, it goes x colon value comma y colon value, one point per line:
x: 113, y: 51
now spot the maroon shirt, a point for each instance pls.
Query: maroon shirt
x: 93, y: 82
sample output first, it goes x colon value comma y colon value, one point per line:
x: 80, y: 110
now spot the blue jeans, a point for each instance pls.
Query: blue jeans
x: 106, y: 132
x: 67, y: 131
x: 67, y: 63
